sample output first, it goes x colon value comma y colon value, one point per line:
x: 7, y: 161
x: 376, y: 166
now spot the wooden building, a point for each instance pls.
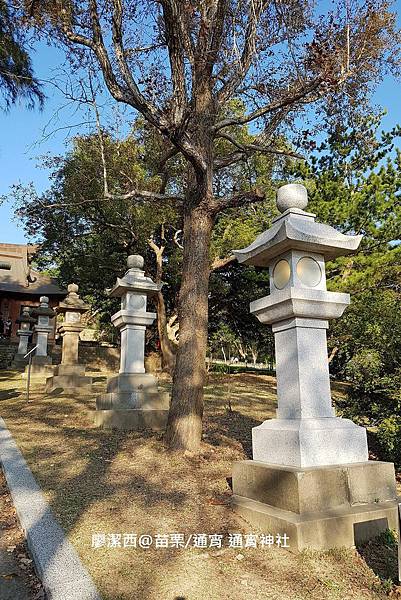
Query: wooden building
x: 20, y: 285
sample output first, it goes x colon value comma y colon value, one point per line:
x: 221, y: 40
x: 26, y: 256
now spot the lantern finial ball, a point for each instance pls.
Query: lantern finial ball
x: 135, y: 261
x: 72, y: 288
x: 292, y: 195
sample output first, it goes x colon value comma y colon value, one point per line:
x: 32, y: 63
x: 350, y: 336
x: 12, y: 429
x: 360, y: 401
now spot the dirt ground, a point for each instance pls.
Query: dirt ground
x: 18, y: 580
x: 104, y: 486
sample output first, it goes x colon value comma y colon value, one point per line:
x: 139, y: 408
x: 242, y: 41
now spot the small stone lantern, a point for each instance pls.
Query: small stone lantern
x: 24, y: 332
x: 42, y: 329
x: 132, y: 400
x: 70, y: 374
x: 307, y: 460
x: 41, y: 362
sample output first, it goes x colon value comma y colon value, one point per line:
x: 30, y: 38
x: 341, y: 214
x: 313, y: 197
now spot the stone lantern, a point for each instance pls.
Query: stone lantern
x: 24, y: 332
x: 310, y: 473
x: 70, y: 374
x: 41, y: 362
x: 132, y: 400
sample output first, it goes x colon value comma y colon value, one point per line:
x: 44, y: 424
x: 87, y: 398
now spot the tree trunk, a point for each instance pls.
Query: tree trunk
x: 184, y: 427
x: 166, y: 346
x: 224, y: 355
x: 166, y: 349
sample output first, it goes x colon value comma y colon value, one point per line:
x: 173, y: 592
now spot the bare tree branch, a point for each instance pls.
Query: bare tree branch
x: 246, y: 150
x: 219, y: 263
x: 217, y: 31
x: 240, y: 199
x: 132, y: 194
x: 256, y: 8
x: 144, y: 106
x: 130, y: 93
x: 287, y: 100
x: 172, y: 19
x: 145, y: 195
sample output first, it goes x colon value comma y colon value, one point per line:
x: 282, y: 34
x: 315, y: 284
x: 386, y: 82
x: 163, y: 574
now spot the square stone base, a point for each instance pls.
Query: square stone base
x: 41, y: 360
x: 318, y: 507
x: 19, y: 361
x: 134, y: 400
x: 68, y: 377
x: 129, y: 382
x: 131, y: 419
x: 40, y: 369
x: 306, y: 443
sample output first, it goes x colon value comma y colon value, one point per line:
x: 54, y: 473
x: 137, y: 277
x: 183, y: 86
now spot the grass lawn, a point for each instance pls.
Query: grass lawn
x: 126, y: 482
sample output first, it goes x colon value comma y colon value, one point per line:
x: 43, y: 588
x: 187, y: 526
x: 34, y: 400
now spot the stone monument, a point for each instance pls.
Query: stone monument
x: 41, y: 362
x: 310, y: 476
x: 24, y: 332
x: 132, y: 400
x: 70, y: 374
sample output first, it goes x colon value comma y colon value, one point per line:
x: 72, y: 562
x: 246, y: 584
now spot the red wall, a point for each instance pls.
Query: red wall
x: 11, y: 307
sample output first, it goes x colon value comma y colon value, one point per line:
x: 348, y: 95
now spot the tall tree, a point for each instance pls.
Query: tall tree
x: 179, y: 63
x: 16, y: 74
x: 354, y: 181
x: 86, y: 238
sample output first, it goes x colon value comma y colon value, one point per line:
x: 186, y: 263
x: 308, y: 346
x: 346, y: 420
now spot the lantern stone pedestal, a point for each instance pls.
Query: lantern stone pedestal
x: 132, y: 399
x: 70, y: 374
x: 41, y: 363
x: 310, y: 477
x: 24, y: 333
x: 319, y: 507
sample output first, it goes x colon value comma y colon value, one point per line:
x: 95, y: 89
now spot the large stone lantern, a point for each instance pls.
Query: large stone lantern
x: 307, y: 460
x: 24, y: 332
x: 132, y: 400
x: 70, y: 374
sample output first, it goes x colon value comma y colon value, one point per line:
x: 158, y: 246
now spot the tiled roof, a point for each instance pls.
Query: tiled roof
x: 21, y: 278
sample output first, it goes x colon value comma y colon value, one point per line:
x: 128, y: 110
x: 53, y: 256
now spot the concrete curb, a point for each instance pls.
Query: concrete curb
x: 57, y: 563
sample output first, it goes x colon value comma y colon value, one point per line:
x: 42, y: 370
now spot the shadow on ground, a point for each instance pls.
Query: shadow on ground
x: 121, y: 481
x: 381, y: 555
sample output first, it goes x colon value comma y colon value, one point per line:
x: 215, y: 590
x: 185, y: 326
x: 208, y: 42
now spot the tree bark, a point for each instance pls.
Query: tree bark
x: 184, y: 427
x: 166, y: 346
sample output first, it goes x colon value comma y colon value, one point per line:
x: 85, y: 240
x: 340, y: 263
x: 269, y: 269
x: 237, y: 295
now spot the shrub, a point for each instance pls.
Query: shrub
x: 389, y: 439
x: 375, y: 395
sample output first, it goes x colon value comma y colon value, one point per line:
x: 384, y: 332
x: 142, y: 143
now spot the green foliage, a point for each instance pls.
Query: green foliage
x: 354, y: 183
x: 363, y: 370
x: 231, y: 290
x: 16, y: 74
x: 389, y: 439
x: 86, y: 237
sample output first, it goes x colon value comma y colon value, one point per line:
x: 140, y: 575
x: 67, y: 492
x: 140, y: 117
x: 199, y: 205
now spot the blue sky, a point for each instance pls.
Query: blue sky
x: 23, y: 140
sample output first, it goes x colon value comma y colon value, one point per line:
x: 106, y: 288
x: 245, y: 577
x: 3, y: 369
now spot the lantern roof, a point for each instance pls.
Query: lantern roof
x: 296, y: 229
x: 134, y: 280
x: 72, y: 302
x: 25, y: 317
x: 43, y: 310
